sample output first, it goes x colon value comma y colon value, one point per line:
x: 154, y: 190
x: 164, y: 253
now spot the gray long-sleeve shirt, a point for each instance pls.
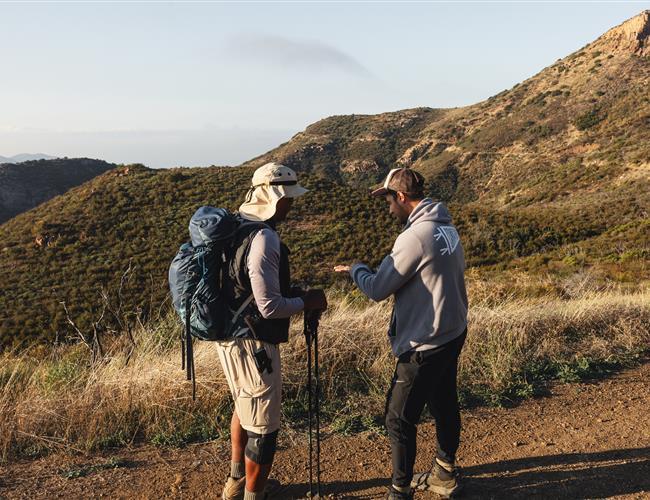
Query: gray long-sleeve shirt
x: 264, y: 273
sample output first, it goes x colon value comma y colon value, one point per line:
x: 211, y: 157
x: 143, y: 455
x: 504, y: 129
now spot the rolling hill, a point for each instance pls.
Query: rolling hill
x: 551, y: 176
x: 28, y: 183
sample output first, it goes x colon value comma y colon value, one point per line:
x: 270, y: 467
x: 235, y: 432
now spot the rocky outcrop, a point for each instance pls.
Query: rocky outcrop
x: 631, y: 36
x: 359, y: 166
x: 413, y: 153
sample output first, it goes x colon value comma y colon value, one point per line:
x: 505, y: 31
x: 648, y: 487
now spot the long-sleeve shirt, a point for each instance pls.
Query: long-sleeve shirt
x: 264, y: 273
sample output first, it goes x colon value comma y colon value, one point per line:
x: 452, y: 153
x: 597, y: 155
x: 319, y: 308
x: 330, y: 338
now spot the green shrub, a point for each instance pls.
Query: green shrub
x: 589, y: 119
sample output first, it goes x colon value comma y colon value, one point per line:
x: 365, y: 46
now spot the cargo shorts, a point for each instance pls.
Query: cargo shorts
x: 257, y: 396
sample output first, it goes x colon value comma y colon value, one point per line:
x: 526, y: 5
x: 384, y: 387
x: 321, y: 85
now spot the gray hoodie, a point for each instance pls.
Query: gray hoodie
x: 425, y: 271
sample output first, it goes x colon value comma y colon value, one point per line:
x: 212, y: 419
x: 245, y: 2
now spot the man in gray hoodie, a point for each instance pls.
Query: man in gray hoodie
x: 425, y: 273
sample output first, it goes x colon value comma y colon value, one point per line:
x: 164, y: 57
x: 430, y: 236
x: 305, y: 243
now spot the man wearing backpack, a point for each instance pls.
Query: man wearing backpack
x: 424, y: 272
x: 263, y: 301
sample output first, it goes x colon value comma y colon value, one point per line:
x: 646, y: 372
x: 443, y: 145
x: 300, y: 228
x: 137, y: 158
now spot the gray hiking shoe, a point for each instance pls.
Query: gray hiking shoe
x: 438, y: 480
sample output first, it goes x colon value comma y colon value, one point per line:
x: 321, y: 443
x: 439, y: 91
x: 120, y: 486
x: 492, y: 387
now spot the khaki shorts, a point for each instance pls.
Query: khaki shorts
x: 257, y: 396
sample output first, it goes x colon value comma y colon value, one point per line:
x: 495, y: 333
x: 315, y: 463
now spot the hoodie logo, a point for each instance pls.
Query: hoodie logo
x: 450, y: 237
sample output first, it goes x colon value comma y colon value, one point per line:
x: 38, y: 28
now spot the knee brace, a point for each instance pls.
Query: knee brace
x: 260, y: 448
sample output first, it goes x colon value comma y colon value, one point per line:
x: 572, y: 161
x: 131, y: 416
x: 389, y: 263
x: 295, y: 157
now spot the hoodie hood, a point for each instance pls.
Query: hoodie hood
x: 429, y: 211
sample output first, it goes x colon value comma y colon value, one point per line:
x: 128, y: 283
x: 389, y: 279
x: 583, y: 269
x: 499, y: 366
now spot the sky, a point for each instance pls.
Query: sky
x: 207, y: 83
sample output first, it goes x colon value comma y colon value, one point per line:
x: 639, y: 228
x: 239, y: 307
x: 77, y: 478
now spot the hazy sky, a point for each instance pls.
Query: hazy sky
x: 186, y: 83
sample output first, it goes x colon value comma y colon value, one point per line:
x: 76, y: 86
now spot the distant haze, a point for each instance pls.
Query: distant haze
x: 158, y: 149
x: 25, y: 157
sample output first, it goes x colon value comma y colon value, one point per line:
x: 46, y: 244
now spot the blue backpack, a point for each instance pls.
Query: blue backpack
x: 196, y: 279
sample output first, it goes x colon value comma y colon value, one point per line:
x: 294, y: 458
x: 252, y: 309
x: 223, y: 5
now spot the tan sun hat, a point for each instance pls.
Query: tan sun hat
x: 271, y: 182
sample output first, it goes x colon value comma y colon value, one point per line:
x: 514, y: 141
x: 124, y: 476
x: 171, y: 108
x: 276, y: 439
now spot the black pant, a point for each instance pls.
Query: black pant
x: 425, y: 377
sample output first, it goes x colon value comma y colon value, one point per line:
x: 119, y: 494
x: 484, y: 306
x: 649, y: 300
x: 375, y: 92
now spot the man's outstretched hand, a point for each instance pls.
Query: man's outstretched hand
x: 315, y: 299
x: 344, y: 268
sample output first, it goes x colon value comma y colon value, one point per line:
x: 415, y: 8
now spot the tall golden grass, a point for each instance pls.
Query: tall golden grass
x: 57, y: 398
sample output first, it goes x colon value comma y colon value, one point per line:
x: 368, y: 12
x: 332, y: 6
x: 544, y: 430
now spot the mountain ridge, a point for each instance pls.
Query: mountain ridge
x: 474, y: 139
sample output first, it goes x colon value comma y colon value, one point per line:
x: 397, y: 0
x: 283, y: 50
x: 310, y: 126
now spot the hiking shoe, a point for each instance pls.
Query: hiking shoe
x: 393, y: 494
x: 234, y: 488
x: 438, y: 480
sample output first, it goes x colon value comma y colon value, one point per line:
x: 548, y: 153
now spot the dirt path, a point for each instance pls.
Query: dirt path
x: 582, y: 441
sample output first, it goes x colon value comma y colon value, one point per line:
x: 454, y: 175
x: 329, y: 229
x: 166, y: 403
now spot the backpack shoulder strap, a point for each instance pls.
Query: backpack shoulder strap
x: 246, y: 232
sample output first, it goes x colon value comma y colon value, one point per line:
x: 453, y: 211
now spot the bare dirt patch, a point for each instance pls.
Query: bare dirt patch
x: 586, y: 440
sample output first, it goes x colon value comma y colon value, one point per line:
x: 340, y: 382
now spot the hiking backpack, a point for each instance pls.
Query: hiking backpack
x: 196, y: 281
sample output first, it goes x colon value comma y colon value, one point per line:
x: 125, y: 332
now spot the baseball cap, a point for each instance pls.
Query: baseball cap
x: 404, y: 180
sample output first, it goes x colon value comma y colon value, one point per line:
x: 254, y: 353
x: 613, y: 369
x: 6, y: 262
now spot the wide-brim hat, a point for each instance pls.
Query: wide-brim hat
x: 271, y: 182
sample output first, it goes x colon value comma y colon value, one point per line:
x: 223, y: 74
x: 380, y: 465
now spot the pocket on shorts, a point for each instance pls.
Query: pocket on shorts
x: 259, y: 407
x: 265, y: 378
x: 241, y: 368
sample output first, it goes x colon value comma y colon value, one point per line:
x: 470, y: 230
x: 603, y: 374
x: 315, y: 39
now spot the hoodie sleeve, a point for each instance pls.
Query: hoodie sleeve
x: 395, y: 270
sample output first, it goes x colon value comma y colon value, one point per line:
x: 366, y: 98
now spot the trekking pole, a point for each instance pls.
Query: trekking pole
x: 307, y: 333
x: 316, y: 376
x: 311, y: 335
x: 188, y: 363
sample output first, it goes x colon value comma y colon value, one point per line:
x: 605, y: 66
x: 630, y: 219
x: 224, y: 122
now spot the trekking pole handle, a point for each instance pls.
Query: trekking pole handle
x: 311, y: 318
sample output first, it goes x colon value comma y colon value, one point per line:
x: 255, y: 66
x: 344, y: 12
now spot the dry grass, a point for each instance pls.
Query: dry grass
x: 58, y: 399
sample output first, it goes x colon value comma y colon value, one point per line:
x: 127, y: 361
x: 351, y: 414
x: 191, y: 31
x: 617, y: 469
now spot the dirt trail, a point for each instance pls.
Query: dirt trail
x: 581, y: 441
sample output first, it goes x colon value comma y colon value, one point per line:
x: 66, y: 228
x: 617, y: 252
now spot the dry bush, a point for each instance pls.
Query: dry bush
x: 59, y: 399
x: 512, y: 345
